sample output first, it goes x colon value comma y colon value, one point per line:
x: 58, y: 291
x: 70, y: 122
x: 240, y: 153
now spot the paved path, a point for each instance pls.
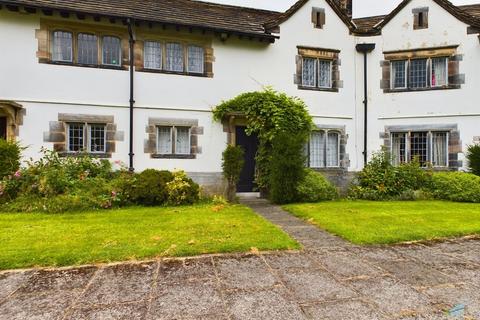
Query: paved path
x: 330, y: 279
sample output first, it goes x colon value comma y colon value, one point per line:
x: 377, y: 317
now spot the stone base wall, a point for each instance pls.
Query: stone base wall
x: 342, y: 179
x: 212, y: 183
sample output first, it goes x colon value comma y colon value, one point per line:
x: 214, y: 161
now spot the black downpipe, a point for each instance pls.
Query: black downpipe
x: 365, y: 48
x: 131, y: 42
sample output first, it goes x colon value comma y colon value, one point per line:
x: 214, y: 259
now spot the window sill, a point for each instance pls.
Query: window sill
x: 189, y: 74
x: 95, y: 66
x: 318, y: 89
x: 79, y: 154
x: 449, y: 87
x: 173, y: 156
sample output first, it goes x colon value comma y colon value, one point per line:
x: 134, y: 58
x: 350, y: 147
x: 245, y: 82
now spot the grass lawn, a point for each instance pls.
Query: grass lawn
x: 367, y: 222
x: 29, y: 240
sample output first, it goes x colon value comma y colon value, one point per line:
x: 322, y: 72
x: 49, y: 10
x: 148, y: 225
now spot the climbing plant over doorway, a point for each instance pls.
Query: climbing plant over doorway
x: 273, y: 116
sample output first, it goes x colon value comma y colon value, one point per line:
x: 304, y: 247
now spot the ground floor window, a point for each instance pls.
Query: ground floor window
x: 324, y: 149
x: 426, y: 146
x: 173, y: 140
x: 3, y: 127
x: 86, y: 137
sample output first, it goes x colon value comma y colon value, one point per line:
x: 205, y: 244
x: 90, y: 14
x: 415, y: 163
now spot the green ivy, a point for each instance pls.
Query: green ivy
x: 268, y: 114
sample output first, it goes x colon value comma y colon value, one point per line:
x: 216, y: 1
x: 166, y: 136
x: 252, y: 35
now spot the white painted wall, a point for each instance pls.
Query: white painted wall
x: 240, y: 66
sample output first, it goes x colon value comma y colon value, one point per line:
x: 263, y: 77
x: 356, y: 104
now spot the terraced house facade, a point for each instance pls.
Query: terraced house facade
x: 135, y: 81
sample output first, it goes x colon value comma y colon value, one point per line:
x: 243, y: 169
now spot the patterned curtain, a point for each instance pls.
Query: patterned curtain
x: 317, y: 149
x: 174, y: 57
x: 308, y: 72
x: 324, y: 74
x: 196, y: 59
x: 153, y: 55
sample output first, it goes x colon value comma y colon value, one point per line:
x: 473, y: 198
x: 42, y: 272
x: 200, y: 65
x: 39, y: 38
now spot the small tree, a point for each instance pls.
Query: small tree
x: 232, y: 165
x: 10, y: 153
x: 473, y: 156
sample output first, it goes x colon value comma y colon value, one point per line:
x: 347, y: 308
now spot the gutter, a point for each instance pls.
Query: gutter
x: 131, y: 41
x: 365, y: 48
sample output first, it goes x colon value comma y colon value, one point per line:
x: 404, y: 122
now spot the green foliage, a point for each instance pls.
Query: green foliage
x: 269, y: 114
x: 10, y: 153
x: 473, y: 156
x: 233, y: 162
x: 287, y: 169
x: 315, y: 187
x: 182, y: 190
x: 150, y: 187
x: 380, y: 180
x: 456, y: 186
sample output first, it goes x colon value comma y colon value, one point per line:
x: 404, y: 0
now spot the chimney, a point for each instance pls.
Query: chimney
x: 347, y: 6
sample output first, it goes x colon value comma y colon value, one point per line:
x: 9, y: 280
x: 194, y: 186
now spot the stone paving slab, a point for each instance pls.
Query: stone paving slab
x: 329, y: 279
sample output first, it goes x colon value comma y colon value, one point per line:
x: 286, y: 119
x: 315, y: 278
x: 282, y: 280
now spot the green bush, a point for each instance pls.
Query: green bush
x: 182, y: 190
x: 233, y: 161
x: 150, y: 187
x: 287, y: 167
x: 380, y: 180
x: 315, y: 187
x: 473, y: 156
x: 10, y: 153
x: 456, y: 186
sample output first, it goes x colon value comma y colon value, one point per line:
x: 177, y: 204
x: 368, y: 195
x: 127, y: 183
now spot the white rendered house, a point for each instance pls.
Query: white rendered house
x: 409, y: 81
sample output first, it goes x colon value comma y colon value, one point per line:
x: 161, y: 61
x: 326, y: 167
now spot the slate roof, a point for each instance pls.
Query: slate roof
x: 188, y: 13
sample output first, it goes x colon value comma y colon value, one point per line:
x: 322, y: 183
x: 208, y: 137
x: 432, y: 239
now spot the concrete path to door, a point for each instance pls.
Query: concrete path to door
x: 329, y: 279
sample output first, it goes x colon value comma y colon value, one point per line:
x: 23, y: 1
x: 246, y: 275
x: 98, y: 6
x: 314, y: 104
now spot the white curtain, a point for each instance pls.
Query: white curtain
x: 308, y: 72
x: 62, y: 46
x: 439, y: 149
x: 398, y: 148
x: 164, y: 143
x: 174, y: 57
x: 196, y: 59
x: 153, y: 55
x: 317, y: 149
x: 439, y: 72
x: 324, y: 74
x: 332, y: 149
x: 182, y: 142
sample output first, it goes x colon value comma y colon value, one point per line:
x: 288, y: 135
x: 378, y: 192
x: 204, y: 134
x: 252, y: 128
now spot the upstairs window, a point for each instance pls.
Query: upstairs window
x: 173, y: 140
x: 153, y: 55
x: 87, y: 49
x: 175, y: 57
x: 316, y: 73
x: 62, y: 46
x: 420, y: 18
x: 196, y: 59
x: 324, y: 149
x: 427, y: 147
x: 419, y: 73
x: 318, y: 18
x: 111, y: 51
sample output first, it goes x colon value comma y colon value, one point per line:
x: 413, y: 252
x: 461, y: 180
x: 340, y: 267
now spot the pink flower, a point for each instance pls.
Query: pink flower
x: 17, y: 174
x: 114, y: 194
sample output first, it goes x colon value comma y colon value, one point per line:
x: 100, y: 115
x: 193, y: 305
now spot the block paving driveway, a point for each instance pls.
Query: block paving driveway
x: 329, y: 279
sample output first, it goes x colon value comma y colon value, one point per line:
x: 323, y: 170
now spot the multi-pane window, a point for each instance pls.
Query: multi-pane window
x: 86, y: 137
x: 426, y: 147
x: 62, y: 46
x: 196, y: 59
x: 419, y: 73
x: 324, y: 149
x: 175, y: 57
x: 316, y: 73
x: 399, y: 74
x: 111, y: 50
x: 87, y: 48
x: 153, y: 55
x: 173, y: 140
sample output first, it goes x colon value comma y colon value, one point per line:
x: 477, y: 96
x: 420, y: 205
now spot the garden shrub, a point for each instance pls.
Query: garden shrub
x: 315, y: 187
x: 456, y: 186
x: 381, y: 180
x: 287, y: 168
x: 233, y: 161
x: 150, y: 187
x: 473, y: 156
x: 10, y: 153
x: 182, y: 190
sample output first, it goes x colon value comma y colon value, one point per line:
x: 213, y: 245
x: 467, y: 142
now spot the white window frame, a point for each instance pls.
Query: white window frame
x: 429, y: 145
x: 431, y: 72
x: 315, y: 73
x: 67, y: 144
x: 119, y: 64
x: 53, y: 46
x: 171, y: 128
x: 392, y: 75
x: 189, y: 140
x: 325, y: 151
x: 89, y: 138
x: 329, y: 74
